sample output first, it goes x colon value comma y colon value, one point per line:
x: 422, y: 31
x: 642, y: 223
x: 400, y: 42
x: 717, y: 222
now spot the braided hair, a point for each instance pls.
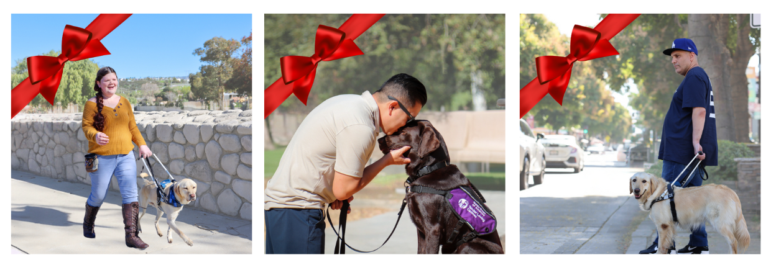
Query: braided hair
x: 98, y: 117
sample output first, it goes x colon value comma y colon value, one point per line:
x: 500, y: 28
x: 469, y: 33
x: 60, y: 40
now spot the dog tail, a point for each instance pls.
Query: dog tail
x: 741, y: 233
x: 144, y: 177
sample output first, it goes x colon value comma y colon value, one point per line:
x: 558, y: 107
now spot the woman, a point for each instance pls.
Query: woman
x: 109, y: 126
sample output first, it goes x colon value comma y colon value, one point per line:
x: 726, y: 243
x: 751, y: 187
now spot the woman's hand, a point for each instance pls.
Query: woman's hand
x: 102, y: 139
x: 144, y: 151
x: 337, y: 204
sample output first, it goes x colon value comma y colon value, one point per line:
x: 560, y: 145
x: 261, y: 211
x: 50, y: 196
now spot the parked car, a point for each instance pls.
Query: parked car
x: 563, y: 151
x: 621, y: 153
x: 597, y: 148
x: 531, y: 156
x: 637, y: 152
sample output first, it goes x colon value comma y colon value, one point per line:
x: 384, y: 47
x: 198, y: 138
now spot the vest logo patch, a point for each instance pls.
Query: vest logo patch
x: 463, y: 203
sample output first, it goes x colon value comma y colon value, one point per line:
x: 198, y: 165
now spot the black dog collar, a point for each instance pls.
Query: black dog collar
x: 428, y: 169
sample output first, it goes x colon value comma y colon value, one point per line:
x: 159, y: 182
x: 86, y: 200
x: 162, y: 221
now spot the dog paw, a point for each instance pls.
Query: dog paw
x: 160, y: 234
x: 189, y: 242
x: 169, y: 240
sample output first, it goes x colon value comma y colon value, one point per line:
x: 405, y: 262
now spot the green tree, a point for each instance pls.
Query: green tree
x: 538, y: 37
x: 726, y: 42
x: 725, y: 45
x: 241, y: 81
x: 587, y: 102
x: 444, y: 51
x: 640, y: 61
x: 203, y: 88
x: 217, y: 54
x: 76, y: 85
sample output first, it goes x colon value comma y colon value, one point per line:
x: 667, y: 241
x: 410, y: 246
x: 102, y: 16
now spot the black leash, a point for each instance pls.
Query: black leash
x: 340, y: 242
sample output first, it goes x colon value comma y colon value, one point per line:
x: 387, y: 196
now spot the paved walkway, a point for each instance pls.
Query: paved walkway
x: 367, y: 234
x: 47, y: 216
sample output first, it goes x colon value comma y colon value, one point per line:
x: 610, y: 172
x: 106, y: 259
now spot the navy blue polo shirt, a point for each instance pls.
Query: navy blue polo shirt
x: 694, y: 91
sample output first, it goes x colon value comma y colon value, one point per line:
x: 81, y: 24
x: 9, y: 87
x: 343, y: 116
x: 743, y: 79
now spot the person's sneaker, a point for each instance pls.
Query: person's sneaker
x: 650, y: 250
x: 688, y: 249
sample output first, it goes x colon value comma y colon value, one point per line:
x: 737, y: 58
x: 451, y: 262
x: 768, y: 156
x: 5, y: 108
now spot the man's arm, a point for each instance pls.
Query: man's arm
x: 698, y: 116
x: 344, y: 186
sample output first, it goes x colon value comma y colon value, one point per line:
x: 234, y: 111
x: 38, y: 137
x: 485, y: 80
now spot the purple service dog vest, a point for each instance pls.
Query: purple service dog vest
x: 471, y: 210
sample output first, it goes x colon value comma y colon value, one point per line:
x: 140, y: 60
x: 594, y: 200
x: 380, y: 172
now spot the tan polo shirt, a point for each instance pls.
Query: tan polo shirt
x: 338, y: 135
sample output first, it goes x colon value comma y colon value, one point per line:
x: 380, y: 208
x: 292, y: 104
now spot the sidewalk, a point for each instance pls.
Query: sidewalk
x: 367, y: 234
x: 646, y: 233
x: 47, y: 217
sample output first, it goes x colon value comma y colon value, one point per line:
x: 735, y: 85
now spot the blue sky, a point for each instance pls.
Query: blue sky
x: 145, y: 45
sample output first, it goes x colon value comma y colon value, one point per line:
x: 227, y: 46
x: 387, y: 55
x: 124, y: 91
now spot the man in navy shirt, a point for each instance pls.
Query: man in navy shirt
x: 689, y: 127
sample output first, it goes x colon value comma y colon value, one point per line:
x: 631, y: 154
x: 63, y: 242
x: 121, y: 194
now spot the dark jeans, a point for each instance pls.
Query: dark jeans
x: 294, y: 231
x: 669, y: 173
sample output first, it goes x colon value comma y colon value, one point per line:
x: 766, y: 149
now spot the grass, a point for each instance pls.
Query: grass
x: 499, y: 175
x: 389, y: 179
x: 272, y: 157
x: 488, y: 181
x: 483, y: 181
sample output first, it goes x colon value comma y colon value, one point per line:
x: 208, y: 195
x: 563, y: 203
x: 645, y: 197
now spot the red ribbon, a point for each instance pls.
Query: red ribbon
x: 45, y: 72
x: 298, y: 72
x: 554, y: 71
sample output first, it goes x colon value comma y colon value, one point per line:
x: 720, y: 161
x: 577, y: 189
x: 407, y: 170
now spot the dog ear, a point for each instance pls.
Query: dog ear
x: 429, y: 141
x: 383, y: 145
x: 176, y: 191
x: 654, y: 183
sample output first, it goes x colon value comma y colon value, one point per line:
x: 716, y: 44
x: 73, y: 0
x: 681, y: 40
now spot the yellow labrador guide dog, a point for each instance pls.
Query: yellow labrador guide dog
x: 694, y: 206
x: 184, y: 190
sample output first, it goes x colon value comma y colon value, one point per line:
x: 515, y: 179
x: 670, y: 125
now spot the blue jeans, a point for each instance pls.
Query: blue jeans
x: 294, y: 231
x: 124, y: 168
x: 669, y: 173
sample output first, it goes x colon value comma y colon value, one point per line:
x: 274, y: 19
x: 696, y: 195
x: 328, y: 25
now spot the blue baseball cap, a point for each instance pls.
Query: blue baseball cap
x: 682, y: 44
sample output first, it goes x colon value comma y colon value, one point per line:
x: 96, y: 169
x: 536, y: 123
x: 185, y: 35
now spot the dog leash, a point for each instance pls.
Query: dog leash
x: 340, y: 242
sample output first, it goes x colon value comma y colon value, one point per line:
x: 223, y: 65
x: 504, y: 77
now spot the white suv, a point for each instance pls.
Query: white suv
x: 531, y: 156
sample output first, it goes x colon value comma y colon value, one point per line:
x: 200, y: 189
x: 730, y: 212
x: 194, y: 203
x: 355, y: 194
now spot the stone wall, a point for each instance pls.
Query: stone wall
x: 748, y: 183
x: 755, y: 148
x: 214, y: 148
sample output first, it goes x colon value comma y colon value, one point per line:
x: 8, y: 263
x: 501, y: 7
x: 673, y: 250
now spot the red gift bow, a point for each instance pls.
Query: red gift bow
x: 298, y: 72
x: 554, y: 71
x: 45, y: 72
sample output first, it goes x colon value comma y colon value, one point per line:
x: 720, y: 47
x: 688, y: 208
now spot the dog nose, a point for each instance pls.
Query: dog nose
x: 637, y: 190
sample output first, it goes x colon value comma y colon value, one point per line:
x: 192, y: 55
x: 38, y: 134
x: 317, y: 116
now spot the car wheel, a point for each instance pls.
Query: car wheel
x: 582, y: 165
x: 538, y: 179
x: 524, y: 174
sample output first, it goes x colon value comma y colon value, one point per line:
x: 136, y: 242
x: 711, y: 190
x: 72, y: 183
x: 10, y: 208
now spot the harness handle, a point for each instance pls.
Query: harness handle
x: 161, y: 196
x: 672, y: 185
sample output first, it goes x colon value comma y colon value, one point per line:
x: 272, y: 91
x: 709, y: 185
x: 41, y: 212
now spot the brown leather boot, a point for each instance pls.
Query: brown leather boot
x: 88, y: 221
x: 130, y: 218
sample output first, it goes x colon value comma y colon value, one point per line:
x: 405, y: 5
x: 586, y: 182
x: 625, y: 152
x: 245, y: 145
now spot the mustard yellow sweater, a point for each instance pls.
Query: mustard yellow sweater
x: 119, y: 125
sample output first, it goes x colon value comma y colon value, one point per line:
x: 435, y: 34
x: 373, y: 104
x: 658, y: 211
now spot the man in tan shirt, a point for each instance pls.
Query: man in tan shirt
x: 325, y: 162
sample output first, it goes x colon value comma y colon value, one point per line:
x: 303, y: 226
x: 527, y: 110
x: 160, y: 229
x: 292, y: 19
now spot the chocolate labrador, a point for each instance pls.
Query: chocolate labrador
x: 437, y: 223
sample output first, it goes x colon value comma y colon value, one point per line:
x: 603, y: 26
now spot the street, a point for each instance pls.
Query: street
x: 592, y: 212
